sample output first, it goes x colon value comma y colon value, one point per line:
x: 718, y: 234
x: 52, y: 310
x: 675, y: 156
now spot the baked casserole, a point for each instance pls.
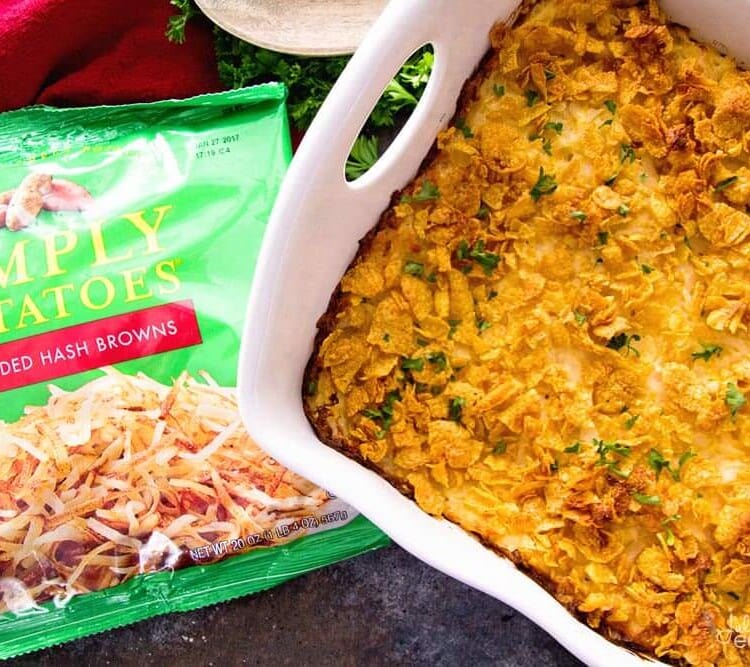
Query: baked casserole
x: 544, y: 339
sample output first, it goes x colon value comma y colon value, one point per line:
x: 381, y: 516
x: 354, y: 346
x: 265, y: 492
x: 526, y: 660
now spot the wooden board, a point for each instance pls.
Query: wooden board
x: 302, y: 27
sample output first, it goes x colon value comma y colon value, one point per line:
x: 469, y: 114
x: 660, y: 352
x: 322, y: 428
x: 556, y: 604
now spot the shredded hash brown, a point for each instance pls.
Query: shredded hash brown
x: 545, y: 339
x: 125, y: 475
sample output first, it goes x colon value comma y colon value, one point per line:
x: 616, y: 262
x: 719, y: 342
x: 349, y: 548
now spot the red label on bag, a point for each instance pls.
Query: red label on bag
x: 85, y: 347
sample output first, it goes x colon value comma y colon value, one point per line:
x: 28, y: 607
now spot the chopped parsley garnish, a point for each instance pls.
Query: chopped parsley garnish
x: 532, y: 97
x: 492, y: 294
x: 545, y: 185
x: 579, y: 215
x: 408, y: 364
x: 734, y: 398
x: 501, y: 447
x: 428, y: 192
x: 422, y: 342
x: 646, y: 268
x: 627, y: 153
x: 549, y: 74
x: 498, y: 89
x: 439, y: 359
x: 611, y: 179
x: 575, y: 448
x: 604, y: 449
x: 464, y: 128
x: 547, y: 146
x: 312, y: 388
x: 386, y: 337
x: 482, y: 324
x: 384, y: 414
x: 580, y: 317
x: 602, y: 238
x: 487, y: 260
x: 643, y: 499
x: 630, y: 421
x: 607, y: 122
x: 707, y: 352
x: 557, y: 127
x: 623, y: 210
x: 453, y: 324
x: 414, y: 269
x: 657, y: 462
x: 623, y: 340
x: 456, y: 408
x: 483, y: 213
x: 611, y: 106
x: 432, y: 278
x: 727, y: 182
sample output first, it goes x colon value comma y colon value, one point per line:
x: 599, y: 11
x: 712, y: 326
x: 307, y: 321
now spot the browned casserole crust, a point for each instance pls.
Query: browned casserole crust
x: 545, y: 338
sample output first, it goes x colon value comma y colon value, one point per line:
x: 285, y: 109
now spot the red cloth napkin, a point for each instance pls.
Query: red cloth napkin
x: 82, y: 52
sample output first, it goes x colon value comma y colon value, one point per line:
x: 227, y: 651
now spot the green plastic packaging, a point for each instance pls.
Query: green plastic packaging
x: 128, y: 485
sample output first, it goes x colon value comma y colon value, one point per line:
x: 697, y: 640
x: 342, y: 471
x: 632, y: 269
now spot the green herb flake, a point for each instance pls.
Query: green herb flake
x: 726, y: 183
x: 483, y: 325
x: 575, y: 448
x: 428, y: 192
x: 414, y: 269
x: 498, y: 89
x: 501, y: 447
x: 602, y: 238
x: 734, y: 398
x: 657, y: 462
x: 453, y: 325
x: 491, y: 294
x: 456, y: 408
x: 579, y: 215
x: 312, y: 388
x: 630, y: 421
x: 643, y: 499
x: 422, y: 342
x: 623, y: 210
x: 607, y: 122
x: 627, y: 153
x: 547, y: 146
x: 387, y: 337
x: 549, y: 74
x: 438, y: 359
x: 556, y: 127
x: 647, y: 269
x: 432, y: 278
x: 707, y: 351
x: 483, y: 213
x: 611, y: 180
x: 384, y: 414
x: 464, y: 128
x: 408, y: 364
x: 532, y: 97
x: 623, y: 340
x: 676, y: 472
x: 545, y: 185
x: 580, y: 318
x: 477, y: 253
x: 611, y: 106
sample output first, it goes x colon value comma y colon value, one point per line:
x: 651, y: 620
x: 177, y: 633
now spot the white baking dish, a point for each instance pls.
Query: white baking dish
x: 312, y: 237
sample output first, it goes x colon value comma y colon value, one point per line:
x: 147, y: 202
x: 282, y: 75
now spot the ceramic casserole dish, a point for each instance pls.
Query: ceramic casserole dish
x: 313, y: 235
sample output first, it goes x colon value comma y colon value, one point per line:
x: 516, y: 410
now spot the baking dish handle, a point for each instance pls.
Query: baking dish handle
x: 398, y: 33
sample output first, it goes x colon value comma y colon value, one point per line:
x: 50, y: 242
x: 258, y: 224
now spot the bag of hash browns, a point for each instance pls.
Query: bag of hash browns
x: 128, y: 484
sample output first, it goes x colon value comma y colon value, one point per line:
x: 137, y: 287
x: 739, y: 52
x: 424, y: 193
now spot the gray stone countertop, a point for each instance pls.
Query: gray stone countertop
x: 382, y: 608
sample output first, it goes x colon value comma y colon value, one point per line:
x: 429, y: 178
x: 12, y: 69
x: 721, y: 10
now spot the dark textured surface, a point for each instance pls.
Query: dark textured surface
x: 383, y: 608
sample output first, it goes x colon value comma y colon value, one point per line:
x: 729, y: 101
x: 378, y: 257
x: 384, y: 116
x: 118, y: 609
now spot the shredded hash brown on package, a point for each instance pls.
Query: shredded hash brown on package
x: 125, y: 475
x: 545, y: 339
